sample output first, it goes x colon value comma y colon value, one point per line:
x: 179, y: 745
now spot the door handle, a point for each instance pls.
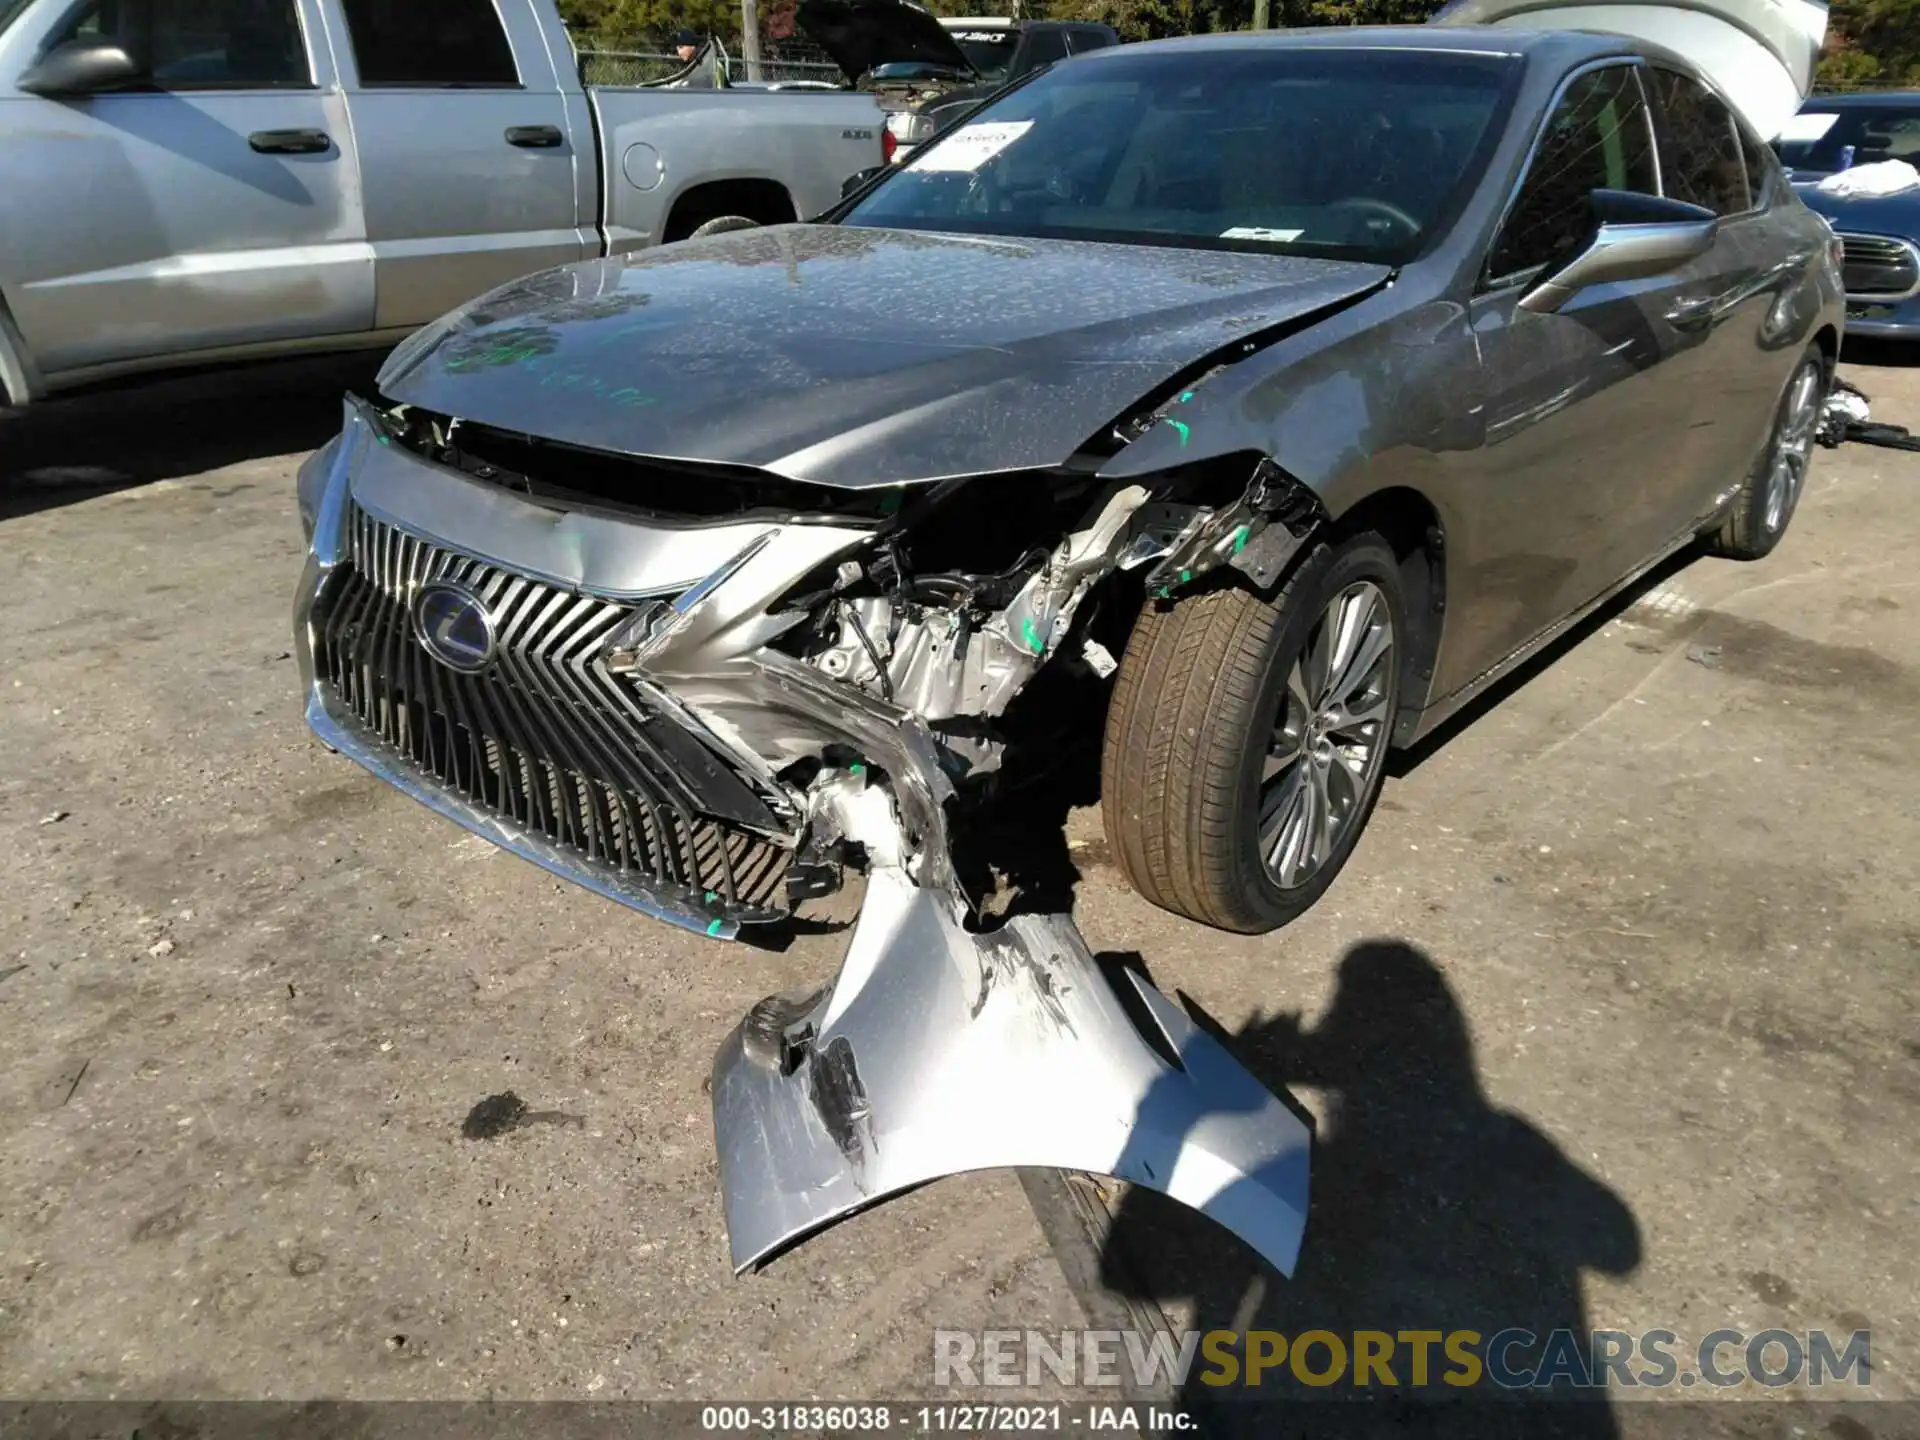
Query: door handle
x: 291, y: 142
x: 535, y: 137
x: 1693, y: 312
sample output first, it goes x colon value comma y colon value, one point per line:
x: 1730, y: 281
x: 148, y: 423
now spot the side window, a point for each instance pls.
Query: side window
x: 1700, y: 158
x: 1596, y: 139
x: 429, y: 43
x: 1044, y: 47
x: 1889, y: 137
x: 1762, y: 167
x: 239, y: 45
x: 1088, y: 37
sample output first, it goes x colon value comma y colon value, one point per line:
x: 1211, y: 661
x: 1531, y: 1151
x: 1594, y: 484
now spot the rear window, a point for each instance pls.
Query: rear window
x: 1044, y: 47
x: 988, y: 51
x: 1357, y: 154
x: 430, y: 43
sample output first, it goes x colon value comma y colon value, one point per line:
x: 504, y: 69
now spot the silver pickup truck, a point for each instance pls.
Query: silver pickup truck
x: 182, y: 184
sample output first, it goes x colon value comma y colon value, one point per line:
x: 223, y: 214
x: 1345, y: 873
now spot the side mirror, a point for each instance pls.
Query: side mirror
x: 81, y: 67
x: 1636, y: 236
x: 859, y: 178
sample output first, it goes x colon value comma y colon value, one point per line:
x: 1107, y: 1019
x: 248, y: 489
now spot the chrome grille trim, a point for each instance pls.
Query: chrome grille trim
x: 1880, y: 268
x: 546, y: 739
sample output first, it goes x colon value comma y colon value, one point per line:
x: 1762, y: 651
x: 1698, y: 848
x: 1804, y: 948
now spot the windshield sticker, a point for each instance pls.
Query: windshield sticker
x: 1807, y: 127
x: 985, y: 37
x: 1260, y: 232
x: 971, y: 146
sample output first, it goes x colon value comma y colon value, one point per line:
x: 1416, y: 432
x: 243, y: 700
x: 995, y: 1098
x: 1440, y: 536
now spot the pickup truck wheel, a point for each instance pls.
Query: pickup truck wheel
x: 1247, y: 738
x: 721, y: 224
x: 1767, y: 500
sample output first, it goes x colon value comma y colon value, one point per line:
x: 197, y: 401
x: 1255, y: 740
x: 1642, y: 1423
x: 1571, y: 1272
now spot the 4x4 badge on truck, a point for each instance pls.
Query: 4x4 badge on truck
x: 454, y: 626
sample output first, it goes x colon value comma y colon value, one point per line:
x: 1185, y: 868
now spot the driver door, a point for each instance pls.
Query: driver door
x: 1581, y: 404
x: 217, y: 204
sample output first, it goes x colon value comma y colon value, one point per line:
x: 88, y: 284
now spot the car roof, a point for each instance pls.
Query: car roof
x: 1571, y: 46
x: 1861, y: 100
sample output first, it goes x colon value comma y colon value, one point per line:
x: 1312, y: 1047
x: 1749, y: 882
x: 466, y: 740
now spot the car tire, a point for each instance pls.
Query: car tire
x: 721, y: 224
x: 1771, y: 493
x: 1209, y: 700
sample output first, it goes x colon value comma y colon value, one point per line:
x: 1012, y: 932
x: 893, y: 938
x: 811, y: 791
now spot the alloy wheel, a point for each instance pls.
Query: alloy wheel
x: 1330, y: 738
x: 1794, y: 448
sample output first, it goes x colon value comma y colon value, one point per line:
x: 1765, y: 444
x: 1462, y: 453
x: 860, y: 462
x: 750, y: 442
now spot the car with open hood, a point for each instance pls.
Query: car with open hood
x: 1252, y: 401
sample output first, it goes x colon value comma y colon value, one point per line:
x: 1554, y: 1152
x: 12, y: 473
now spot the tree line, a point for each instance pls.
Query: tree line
x: 1871, y: 44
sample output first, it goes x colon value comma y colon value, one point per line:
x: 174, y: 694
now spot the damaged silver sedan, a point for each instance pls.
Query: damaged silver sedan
x: 1272, y: 395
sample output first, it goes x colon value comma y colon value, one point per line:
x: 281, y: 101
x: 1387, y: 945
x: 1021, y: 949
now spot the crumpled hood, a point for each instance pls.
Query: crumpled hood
x: 851, y: 357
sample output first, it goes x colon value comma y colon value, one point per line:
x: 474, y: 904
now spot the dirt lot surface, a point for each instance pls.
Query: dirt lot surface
x: 1610, y: 1023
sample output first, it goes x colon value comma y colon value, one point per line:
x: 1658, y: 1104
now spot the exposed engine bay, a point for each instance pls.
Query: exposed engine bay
x: 934, y: 604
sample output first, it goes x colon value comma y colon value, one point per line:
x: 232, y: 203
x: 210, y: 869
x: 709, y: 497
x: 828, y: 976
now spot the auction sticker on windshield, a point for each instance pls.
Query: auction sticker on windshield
x: 971, y: 146
x: 1260, y: 232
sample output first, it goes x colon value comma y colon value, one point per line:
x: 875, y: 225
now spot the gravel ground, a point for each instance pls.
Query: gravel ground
x: 1610, y: 1022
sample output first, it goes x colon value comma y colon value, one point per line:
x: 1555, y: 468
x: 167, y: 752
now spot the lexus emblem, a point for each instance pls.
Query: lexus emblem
x: 454, y: 626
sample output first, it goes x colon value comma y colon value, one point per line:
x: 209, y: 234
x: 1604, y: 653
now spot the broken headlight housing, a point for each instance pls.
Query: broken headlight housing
x: 977, y: 583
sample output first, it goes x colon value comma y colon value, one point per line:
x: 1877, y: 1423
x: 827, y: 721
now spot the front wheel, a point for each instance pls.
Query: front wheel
x: 1767, y: 500
x: 1247, y: 738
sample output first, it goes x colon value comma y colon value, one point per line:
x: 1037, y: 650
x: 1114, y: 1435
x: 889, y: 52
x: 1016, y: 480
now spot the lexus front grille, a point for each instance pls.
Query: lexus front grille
x: 545, y: 736
x: 1880, y: 267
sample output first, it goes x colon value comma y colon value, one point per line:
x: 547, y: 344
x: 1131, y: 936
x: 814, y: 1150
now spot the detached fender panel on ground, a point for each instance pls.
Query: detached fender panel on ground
x: 938, y: 1051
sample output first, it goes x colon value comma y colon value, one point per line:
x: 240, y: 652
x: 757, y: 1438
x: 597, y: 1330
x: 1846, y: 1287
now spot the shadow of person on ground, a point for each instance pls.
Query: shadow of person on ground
x: 1431, y: 1210
x: 70, y: 448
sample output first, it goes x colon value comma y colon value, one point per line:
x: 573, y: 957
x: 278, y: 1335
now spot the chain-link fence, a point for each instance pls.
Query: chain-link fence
x: 785, y: 61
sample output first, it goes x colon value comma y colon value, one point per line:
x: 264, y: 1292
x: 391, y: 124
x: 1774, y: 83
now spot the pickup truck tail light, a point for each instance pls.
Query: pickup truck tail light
x: 887, y: 144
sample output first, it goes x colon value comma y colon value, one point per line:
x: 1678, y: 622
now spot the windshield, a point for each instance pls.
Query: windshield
x: 10, y: 10
x: 1836, y: 139
x: 1349, y: 154
x: 988, y: 51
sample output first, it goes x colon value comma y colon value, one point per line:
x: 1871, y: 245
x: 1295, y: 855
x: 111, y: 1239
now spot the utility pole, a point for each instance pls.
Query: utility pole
x: 750, y: 36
